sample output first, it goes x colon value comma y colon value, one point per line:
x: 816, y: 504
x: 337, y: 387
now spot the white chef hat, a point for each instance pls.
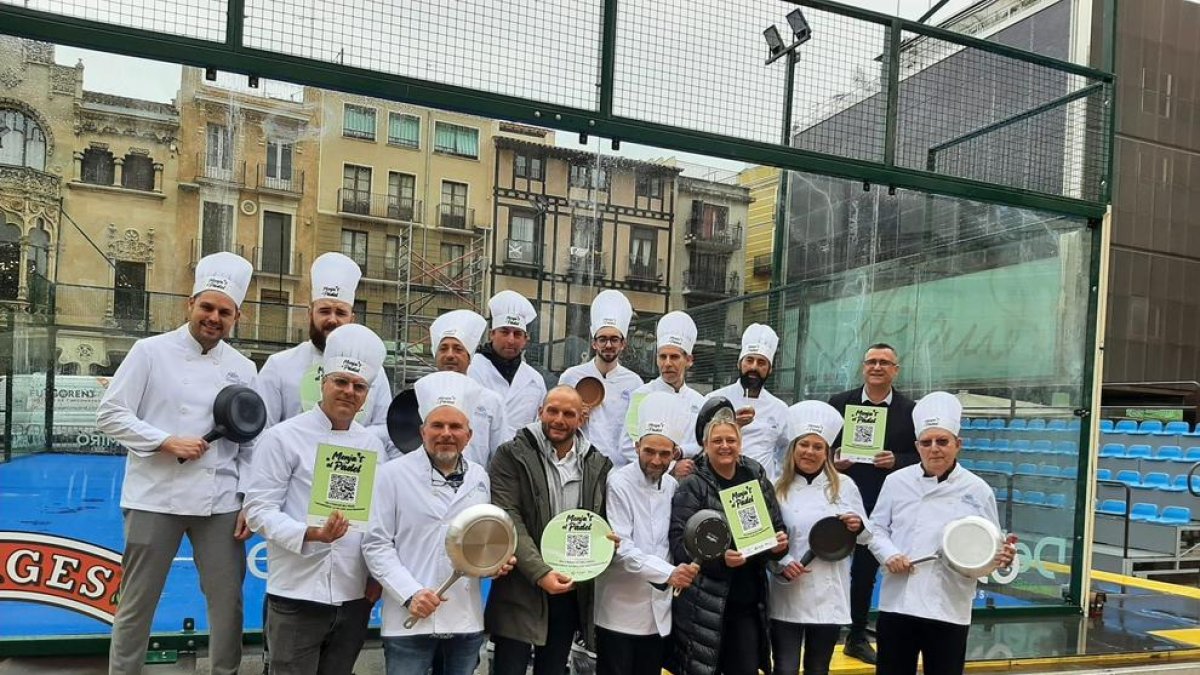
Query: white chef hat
x: 445, y: 388
x: 510, y: 309
x: 676, y: 329
x: 223, y: 272
x: 814, y: 417
x: 940, y: 410
x: 334, y: 277
x: 462, y: 325
x: 759, y: 339
x: 356, y: 350
x: 611, y: 309
x: 664, y: 414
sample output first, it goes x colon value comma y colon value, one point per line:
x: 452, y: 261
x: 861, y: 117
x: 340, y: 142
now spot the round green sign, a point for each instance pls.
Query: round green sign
x: 576, y: 544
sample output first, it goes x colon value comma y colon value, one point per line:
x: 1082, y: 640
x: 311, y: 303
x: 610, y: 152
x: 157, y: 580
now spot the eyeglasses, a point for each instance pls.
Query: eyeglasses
x: 453, y: 481
x: 609, y: 339
x: 930, y: 442
x: 882, y: 363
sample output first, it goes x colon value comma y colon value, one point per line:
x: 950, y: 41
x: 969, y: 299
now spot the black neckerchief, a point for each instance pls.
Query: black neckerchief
x: 810, y: 477
x: 506, y: 367
x: 456, y: 477
x: 942, y: 477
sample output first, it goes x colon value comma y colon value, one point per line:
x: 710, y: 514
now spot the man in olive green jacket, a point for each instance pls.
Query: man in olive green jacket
x: 548, y: 468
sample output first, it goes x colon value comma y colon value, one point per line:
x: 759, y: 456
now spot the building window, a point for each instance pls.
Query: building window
x: 642, y: 244
x: 358, y: 122
x: 129, y: 291
x: 454, y: 261
x: 276, y: 252
x: 523, y: 245
x: 529, y: 167
x: 219, y: 153
x: 10, y: 261
x: 279, y: 165
x: 216, y: 228
x: 354, y: 246
x: 24, y: 143
x: 453, y: 139
x: 589, y: 177
x: 391, y: 256
x: 404, y: 130
x: 97, y: 167
x: 402, y: 188
x: 391, y: 321
x: 138, y: 172
x: 273, y: 315
x: 356, y: 189
x: 454, y: 205
x: 649, y: 186
x: 360, y: 311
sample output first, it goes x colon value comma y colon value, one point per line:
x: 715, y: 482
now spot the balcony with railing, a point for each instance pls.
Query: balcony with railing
x: 224, y: 173
x: 456, y: 216
x: 643, y: 270
x: 763, y: 264
x: 586, y: 264
x: 273, y: 261
x: 200, y: 248
x: 711, y: 283
x: 287, y: 186
x: 389, y: 207
x: 376, y: 267
x: 713, y: 236
x: 524, y: 253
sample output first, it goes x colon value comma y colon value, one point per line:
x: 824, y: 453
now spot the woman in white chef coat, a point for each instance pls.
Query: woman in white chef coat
x: 926, y: 609
x: 810, y: 604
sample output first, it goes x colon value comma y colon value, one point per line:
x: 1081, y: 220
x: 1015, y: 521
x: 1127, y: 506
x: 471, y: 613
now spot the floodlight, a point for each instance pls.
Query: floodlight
x: 774, y: 40
x: 800, y: 29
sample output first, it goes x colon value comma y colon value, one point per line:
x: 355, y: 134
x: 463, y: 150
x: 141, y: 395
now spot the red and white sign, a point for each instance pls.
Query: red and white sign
x: 59, y: 571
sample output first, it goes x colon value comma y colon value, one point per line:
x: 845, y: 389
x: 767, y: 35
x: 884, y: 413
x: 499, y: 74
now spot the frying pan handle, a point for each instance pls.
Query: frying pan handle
x: 926, y: 558
x: 211, y: 436
x: 809, y: 556
x: 677, y: 591
x: 441, y: 593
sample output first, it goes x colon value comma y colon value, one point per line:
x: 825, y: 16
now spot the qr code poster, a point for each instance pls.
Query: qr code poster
x: 864, y: 432
x: 576, y: 543
x: 749, y: 520
x: 342, y: 481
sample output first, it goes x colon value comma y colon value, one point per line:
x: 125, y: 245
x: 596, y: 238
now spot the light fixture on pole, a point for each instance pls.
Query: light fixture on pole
x: 800, y: 28
x: 774, y: 40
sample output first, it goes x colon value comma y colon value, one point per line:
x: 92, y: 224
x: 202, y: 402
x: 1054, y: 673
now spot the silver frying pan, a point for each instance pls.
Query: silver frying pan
x: 969, y: 547
x: 479, y: 541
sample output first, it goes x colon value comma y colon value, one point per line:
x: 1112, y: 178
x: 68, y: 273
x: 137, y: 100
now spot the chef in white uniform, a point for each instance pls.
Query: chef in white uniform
x: 317, y: 586
x: 290, y: 381
x: 926, y: 609
x: 809, y: 604
x: 611, y: 313
x: 500, y: 365
x: 676, y: 337
x: 633, y: 596
x: 762, y: 416
x: 454, y: 337
x: 159, y: 406
x: 416, y: 498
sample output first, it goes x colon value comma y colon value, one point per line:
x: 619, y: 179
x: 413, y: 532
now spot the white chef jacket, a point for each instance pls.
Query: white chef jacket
x: 765, y: 439
x: 822, y: 596
x: 488, y: 428
x: 277, y: 507
x: 909, y: 518
x: 640, y: 512
x: 694, y: 398
x: 279, y: 386
x: 405, y: 544
x: 166, y: 387
x: 521, y: 399
x: 607, y: 420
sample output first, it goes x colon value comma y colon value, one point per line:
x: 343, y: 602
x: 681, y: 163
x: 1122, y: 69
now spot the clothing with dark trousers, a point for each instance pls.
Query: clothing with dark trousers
x: 624, y: 654
x: 817, y: 640
x: 511, y: 657
x: 311, y: 638
x: 942, y: 645
x: 900, y: 439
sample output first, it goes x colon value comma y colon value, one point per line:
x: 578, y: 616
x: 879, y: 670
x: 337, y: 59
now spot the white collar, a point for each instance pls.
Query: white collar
x: 886, y: 399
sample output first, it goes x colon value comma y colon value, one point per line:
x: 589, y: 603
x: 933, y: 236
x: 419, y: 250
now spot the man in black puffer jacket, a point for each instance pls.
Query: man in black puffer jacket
x: 699, y: 613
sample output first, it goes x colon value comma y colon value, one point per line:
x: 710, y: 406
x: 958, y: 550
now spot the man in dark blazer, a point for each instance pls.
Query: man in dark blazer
x: 880, y: 367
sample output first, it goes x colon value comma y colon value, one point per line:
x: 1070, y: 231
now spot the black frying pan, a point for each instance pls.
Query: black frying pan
x: 239, y: 415
x: 829, y: 540
x: 706, y: 536
x: 708, y: 412
x: 404, y: 421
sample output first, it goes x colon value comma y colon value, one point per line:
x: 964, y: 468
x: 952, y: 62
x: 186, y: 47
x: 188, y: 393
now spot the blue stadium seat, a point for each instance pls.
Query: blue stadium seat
x: 1066, y: 448
x: 979, y: 423
x: 1038, y: 497
x: 1174, y: 429
x: 966, y: 463
x: 995, y: 423
x: 1026, y: 469
x: 983, y: 444
x: 1036, y: 425
x: 1168, y: 453
x: 1174, y: 515
x: 1043, y: 447
x: 1103, y: 474
x: 1130, y: 477
x: 1017, y: 496
x: 1000, y: 445
x: 966, y: 423
x: 1115, y: 450
x: 1049, y: 470
x: 1126, y: 427
x: 1106, y: 426
x: 1074, y: 425
x: 1157, y: 480
x: 1005, y: 467
x: 985, y: 465
x: 1056, y: 425
x: 1056, y: 499
x: 1022, y: 446
x: 1143, y: 511
x: 1138, y: 452
x: 1017, y: 424
x: 968, y: 443
x: 1070, y: 471
x: 1001, y: 494
x: 1113, y: 507
x: 1149, y: 427
x: 1192, y: 454
x: 1179, y: 484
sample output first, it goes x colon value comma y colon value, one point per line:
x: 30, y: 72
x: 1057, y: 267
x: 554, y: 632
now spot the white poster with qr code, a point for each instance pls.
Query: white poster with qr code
x: 343, y: 479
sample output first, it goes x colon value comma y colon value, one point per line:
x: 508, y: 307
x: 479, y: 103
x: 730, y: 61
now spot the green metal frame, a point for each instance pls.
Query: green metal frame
x: 233, y: 56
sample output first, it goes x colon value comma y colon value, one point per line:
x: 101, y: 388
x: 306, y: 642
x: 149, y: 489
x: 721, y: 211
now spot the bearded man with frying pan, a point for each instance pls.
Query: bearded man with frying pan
x: 317, y: 588
x: 159, y: 406
x: 928, y: 613
x: 417, y: 498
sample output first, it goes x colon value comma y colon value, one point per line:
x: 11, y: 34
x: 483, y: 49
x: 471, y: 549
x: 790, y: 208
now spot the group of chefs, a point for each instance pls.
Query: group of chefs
x: 491, y: 432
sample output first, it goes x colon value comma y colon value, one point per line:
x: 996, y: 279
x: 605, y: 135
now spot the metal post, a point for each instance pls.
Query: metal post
x: 778, y: 273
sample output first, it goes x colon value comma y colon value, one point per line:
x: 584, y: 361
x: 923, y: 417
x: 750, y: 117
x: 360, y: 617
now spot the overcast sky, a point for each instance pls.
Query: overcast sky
x: 158, y: 81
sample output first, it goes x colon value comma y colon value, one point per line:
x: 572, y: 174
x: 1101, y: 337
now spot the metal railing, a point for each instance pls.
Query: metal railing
x: 589, y: 265
x: 391, y: 207
x: 290, y: 185
x: 718, y: 237
x: 234, y: 174
x: 711, y: 283
x: 377, y: 267
x: 456, y: 216
x: 521, y: 252
x: 644, y: 270
x: 269, y: 260
x: 199, y: 250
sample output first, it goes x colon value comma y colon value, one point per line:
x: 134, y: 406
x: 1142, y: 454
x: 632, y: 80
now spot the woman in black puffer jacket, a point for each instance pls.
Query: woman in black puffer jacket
x: 720, y: 622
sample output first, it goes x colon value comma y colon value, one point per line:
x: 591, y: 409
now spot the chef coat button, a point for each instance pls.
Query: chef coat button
x: 183, y: 409
x: 208, y: 471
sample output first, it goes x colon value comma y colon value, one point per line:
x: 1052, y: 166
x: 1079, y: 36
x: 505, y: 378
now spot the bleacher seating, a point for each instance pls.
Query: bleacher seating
x: 1113, y: 507
x: 1056, y: 425
x: 1179, y: 484
x: 1174, y: 429
x: 1148, y: 427
x: 1174, y: 515
x: 1017, y: 424
x: 1021, y: 446
x: 966, y: 463
x: 1112, y: 450
x: 1103, y: 474
x: 1143, y: 511
x: 1000, y: 445
x: 1106, y: 426
x: 1043, y: 447
x: 1192, y: 454
x: 1001, y: 494
x: 1168, y: 453
x: 1051, y: 471
x: 1036, y: 425
x: 1027, y: 469
x: 1126, y: 427
x: 1156, y: 480
x: 985, y: 465
x: 1005, y: 467
x: 1138, y: 452
x: 1057, y: 500
x: 1036, y: 497
x: 1129, y: 477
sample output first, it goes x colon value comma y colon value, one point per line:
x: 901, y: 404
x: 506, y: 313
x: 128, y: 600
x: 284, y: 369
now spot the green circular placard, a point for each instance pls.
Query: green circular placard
x: 576, y: 544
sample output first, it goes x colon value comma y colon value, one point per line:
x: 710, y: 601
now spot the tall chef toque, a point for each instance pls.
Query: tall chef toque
x: 334, y: 277
x: 354, y: 349
x: 225, y: 273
